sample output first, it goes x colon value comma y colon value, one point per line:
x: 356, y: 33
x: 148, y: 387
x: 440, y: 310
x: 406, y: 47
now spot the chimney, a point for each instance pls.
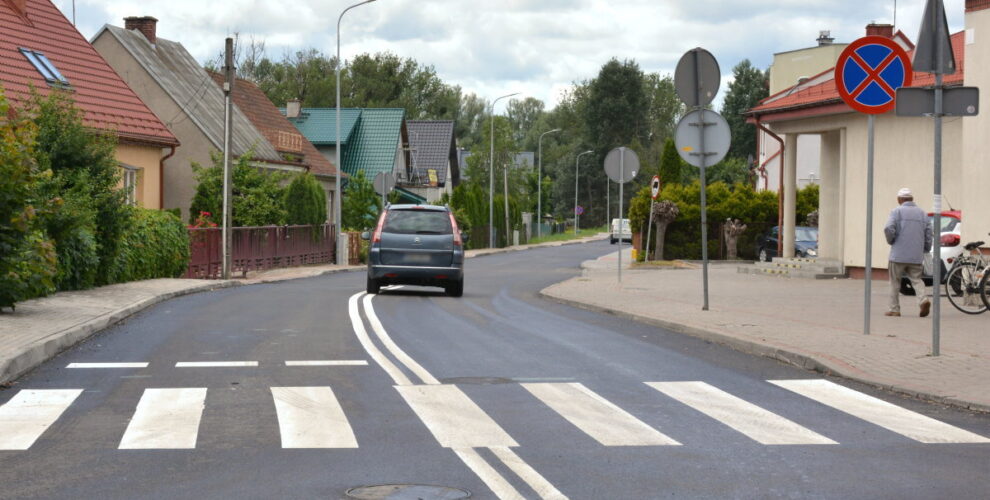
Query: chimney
x: 975, y: 5
x: 825, y: 38
x: 884, y: 30
x: 293, y: 108
x: 144, y: 24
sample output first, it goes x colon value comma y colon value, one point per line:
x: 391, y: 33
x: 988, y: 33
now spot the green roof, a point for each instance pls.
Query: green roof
x: 319, y: 125
x: 374, y: 143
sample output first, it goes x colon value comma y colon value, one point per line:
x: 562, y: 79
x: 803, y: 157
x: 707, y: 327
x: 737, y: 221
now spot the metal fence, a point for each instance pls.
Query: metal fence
x: 259, y: 248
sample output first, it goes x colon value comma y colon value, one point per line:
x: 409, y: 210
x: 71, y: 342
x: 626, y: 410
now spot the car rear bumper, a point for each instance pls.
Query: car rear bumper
x: 415, y: 275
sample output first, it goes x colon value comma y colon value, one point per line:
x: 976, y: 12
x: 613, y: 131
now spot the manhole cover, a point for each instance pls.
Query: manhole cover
x: 407, y: 492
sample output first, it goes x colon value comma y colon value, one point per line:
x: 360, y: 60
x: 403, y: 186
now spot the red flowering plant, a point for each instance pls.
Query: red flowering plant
x: 199, y: 237
x: 204, y: 220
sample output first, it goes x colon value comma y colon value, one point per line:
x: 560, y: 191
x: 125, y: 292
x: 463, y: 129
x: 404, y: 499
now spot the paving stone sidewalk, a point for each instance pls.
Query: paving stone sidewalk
x: 39, y: 329
x: 816, y: 324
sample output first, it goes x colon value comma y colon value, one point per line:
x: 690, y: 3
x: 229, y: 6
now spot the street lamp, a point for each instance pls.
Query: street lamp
x: 577, y: 161
x: 539, y: 186
x: 491, y: 177
x: 340, y: 188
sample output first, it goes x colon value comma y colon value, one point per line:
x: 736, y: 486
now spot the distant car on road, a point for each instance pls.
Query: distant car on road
x: 805, y: 243
x: 416, y: 245
x: 624, y: 233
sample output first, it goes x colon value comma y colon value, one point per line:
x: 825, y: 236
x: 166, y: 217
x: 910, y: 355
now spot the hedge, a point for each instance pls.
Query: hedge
x: 155, y: 246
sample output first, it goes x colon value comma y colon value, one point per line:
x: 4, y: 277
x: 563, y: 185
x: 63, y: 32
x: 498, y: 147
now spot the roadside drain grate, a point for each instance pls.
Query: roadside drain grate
x: 407, y: 492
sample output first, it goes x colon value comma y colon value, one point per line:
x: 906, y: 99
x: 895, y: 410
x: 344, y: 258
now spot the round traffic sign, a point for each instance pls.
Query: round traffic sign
x: 696, y: 77
x: 655, y: 187
x: 688, y: 140
x: 579, y: 210
x: 869, y: 72
x: 384, y: 182
x: 621, y: 164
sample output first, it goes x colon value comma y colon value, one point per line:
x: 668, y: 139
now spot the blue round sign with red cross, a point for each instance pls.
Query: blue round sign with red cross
x: 869, y: 72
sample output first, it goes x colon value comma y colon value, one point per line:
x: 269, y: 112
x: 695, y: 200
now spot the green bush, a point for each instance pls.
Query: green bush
x: 305, y: 201
x: 156, y: 246
x: 78, y: 259
x: 258, y: 197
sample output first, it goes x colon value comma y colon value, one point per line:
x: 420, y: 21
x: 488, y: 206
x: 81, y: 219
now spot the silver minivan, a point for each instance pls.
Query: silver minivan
x: 416, y: 245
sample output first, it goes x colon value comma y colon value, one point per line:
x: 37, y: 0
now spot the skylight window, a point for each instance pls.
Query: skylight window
x: 44, y: 66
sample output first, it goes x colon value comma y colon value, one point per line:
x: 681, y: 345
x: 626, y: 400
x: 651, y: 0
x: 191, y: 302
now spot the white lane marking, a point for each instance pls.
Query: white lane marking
x: 30, y: 413
x: 107, y: 365
x: 758, y: 424
x: 328, y: 362
x: 358, y: 324
x: 540, y: 485
x: 311, y: 417
x: 165, y: 419
x: 214, y: 364
x: 396, y: 351
x: 499, y: 486
x: 454, y: 420
x: 876, y: 411
x: 596, y: 416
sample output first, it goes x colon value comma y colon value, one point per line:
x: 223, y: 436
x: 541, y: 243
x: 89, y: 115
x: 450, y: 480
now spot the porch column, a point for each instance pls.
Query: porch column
x: 790, y: 193
x: 829, y: 220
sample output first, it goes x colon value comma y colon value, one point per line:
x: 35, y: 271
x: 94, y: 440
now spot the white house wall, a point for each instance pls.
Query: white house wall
x: 975, y: 200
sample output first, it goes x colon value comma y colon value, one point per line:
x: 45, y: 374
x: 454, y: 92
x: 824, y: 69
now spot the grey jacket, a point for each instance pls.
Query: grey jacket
x: 909, y: 233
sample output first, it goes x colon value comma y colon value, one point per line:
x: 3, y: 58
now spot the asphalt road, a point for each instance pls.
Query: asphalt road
x: 499, y: 393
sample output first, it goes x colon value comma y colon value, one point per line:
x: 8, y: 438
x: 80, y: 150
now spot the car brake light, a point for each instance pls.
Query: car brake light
x: 378, y: 229
x: 950, y: 240
x: 457, y: 233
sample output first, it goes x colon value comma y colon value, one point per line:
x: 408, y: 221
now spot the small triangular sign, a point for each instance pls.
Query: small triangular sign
x: 934, y: 44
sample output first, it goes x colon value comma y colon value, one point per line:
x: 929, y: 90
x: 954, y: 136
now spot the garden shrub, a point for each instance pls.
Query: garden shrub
x: 258, y: 200
x: 305, y: 201
x: 156, y: 246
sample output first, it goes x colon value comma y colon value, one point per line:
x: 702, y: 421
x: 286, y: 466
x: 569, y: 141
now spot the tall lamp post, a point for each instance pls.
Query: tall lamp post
x: 539, y: 186
x: 491, y: 177
x: 577, y: 161
x: 340, y: 188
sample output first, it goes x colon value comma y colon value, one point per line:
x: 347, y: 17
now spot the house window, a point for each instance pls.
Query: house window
x: 45, y: 67
x: 130, y: 182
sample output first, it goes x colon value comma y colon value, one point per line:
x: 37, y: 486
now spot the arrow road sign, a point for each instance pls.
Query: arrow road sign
x: 933, y: 39
x: 869, y: 72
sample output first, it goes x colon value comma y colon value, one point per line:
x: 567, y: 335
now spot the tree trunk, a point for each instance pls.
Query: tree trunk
x: 661, y: 231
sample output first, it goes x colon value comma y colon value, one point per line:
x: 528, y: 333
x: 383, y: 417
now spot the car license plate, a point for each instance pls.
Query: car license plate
x: 418, y: 258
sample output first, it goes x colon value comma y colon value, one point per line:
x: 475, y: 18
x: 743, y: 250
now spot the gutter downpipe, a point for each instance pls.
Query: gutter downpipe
x: 780, y: 187
x: 161, y: 178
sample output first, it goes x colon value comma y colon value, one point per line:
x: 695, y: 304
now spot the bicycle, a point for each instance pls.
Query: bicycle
x: 966, y: 283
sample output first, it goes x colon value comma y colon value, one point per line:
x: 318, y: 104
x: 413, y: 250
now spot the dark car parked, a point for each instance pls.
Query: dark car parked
x: 805, y: 243
x: 416, y: 245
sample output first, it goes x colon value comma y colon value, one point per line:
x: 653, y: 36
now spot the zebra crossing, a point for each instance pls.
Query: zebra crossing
x: 313, y: 417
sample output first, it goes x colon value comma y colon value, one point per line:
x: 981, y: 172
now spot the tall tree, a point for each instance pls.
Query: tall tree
x: 749, y: 85
x: 670, y: 163
x: 523, y: 115
x: 471, y: 115
x: 616, y: 109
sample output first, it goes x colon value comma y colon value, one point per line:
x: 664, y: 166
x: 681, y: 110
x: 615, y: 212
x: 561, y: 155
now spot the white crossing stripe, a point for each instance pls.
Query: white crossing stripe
x: 454, y: 420
x: 165, y: 419
x: 328, y: 362
x: 214, y: 364
x: 605, y: 422
x: 311, y: 417
x: 876, y: 411
x: 758, y: 424
x: 107, y: 365
x: 29, y: 413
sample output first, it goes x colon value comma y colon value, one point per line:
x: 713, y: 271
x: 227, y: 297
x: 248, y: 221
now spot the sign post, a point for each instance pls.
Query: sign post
x: 384, y: 182
x: 654, y: 191
x: 867, y: 75
x: 621, y: 165
x: 696, y: 81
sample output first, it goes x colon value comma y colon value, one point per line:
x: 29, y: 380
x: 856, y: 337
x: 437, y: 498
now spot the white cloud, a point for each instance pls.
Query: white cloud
x: 537, y: 47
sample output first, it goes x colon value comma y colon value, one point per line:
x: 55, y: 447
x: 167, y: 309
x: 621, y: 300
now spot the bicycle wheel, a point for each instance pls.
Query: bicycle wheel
x: 962, y: 288
x: 985, y: 287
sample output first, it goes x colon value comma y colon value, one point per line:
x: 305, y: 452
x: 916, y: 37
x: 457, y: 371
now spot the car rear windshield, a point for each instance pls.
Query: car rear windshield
x: 417, y: 222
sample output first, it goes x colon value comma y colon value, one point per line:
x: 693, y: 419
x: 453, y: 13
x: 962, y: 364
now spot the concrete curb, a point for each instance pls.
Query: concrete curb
x: 46, y: 349
x: 799, y: 360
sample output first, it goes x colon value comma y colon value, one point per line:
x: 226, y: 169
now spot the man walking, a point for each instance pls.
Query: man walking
x: 909, y: 233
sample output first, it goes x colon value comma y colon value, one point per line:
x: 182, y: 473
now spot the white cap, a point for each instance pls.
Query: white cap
x: 905, y: 193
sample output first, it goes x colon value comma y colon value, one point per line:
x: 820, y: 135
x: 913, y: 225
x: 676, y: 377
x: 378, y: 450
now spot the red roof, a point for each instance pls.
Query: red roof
x: 826, y: 95
x: 282, y: 135
x: 106, y: 101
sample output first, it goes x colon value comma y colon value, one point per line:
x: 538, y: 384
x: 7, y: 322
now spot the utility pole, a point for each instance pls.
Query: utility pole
x: 229, y: 76
x: 505, y: 185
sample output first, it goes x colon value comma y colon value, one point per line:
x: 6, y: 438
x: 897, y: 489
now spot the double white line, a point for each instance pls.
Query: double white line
x: 455, y: 420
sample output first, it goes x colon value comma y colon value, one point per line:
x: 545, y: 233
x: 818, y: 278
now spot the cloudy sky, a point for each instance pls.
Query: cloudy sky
x: 535, y: 47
